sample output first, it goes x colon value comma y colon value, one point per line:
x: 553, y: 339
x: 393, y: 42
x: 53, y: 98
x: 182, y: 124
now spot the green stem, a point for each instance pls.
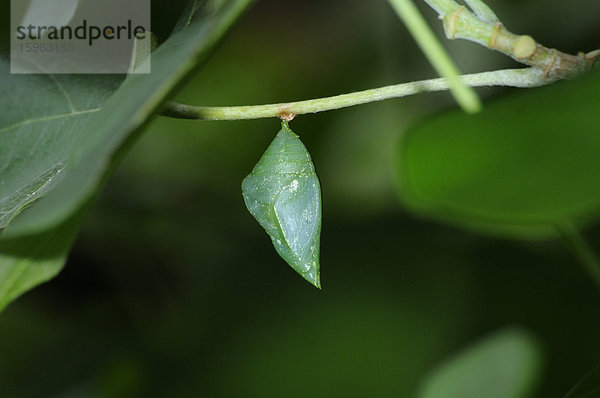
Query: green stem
x: 482, y: 10
x: 483, y: 27
x: 547, y: 66
x: 436, y: 54
x: 443, y: 7
x: 581, y: 250
x: 527, y: 77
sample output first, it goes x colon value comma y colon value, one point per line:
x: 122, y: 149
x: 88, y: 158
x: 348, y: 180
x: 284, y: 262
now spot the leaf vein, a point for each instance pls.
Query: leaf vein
x: 64, y: 92
x: 46, y: 119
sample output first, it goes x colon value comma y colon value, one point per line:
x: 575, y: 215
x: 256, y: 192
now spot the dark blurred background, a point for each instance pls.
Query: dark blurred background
x: 173, y: 290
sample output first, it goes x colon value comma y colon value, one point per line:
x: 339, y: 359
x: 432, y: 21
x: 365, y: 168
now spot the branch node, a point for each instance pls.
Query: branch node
x: 548, y: 68
x: 492, y: 42
x: 451, y: 27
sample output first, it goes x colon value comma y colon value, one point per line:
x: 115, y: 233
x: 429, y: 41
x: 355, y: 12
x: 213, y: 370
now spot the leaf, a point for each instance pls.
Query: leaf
x: 141, y: 53
x: 283, y: 193
x: 526, y: 162
x: 25, y: 262
x: 196, y: 9
x: 588, y: 387
x: 187, y: 16
x: 92, y: 144
x: 504, y: 365
x: 41, y: 119
x: 61, y: 136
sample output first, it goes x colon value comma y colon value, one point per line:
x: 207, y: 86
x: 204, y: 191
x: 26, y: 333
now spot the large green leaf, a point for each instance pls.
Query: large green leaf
x: 42, y: 118
x: 97, y: 142
x: 60, y: 137
x: 504, y: 365
x: 27, y: 261
x: 194, y: 10
x: 526, y: 162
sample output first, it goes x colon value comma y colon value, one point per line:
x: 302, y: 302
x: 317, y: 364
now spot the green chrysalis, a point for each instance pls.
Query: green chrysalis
x: 283, y: 193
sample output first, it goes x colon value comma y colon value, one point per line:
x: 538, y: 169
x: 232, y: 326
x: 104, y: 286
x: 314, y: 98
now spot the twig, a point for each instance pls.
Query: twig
x: 483, y: 27
x: 436, y: 54
x: 526, y: 77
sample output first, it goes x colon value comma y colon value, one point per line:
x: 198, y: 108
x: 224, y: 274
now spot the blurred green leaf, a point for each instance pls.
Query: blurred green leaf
x: 504, y: 365
x: 527, y: 161
x: 28, y: 261
x: 588, y: 387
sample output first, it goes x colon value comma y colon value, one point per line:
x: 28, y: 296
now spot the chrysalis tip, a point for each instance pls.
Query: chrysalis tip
x: 314, y: 280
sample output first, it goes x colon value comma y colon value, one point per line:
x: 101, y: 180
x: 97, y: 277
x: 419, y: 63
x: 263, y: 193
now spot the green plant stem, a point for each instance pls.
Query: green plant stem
x: 547, y: 66
x: 443, y: 7
x: 484, y: 28
x: 482, y: 10
x: 436, y: 54
x: 526, y: 77
x: 581, y: 250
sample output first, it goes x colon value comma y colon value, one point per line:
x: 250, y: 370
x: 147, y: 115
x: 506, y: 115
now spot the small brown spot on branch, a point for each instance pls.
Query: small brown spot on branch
x: 286, y: 116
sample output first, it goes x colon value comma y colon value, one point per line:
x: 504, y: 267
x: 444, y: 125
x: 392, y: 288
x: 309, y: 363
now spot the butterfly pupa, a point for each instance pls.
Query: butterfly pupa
x: 283, y: 194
